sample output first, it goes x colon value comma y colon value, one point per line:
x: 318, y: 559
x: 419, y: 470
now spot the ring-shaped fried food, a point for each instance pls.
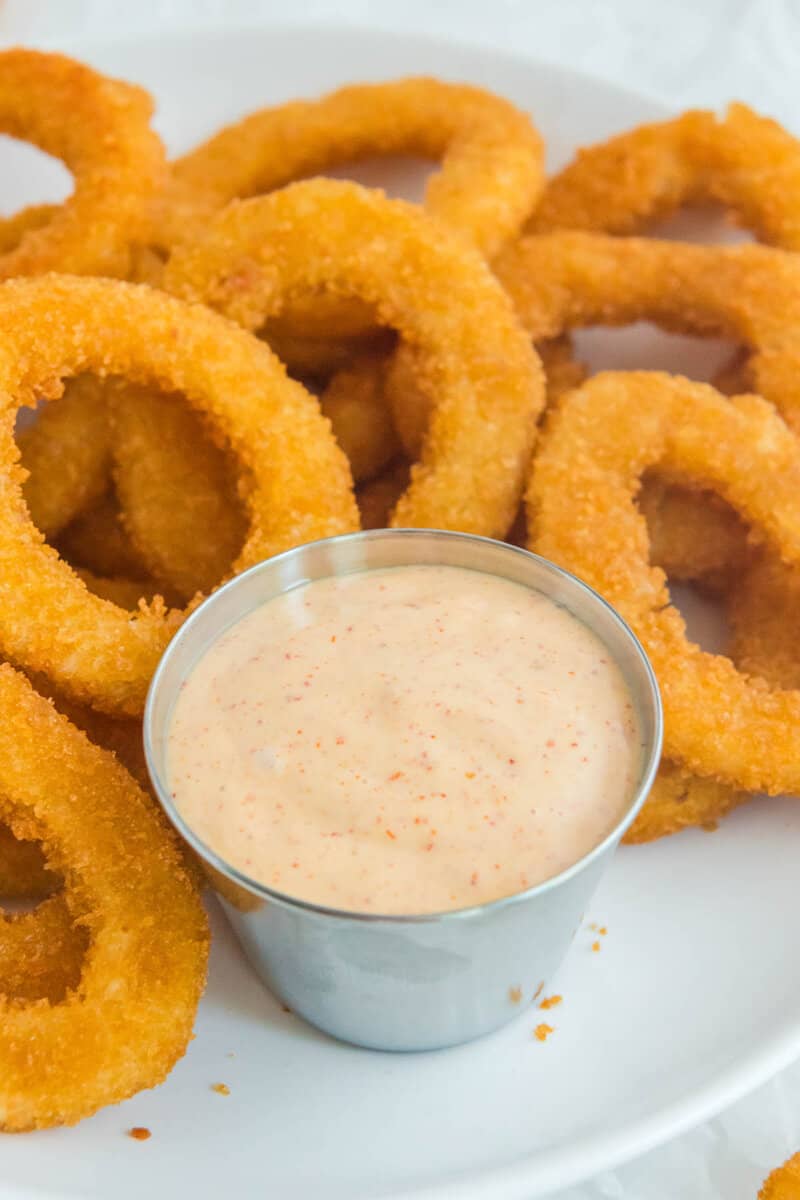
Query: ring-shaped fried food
x: 130, y: 1018
x: 336, y: 236
x: 490, y: 175
x: 679, y: 800
x: 299, y: 485
x: 784, y: 1182
x: 582, y: 513
x: 762, y: 606
x: 356, y: 407
x: 166, y: 498
x: 96, y: 541
x: 564, y: 281
x: 41, y: 952
x: 491, y: 169
x: 67, y: 454
x: 100, y: 128
x: 746, y: 162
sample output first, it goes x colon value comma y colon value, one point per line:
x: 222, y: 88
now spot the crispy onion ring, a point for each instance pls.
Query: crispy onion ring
x: 167, y: 498
x: 763, y: 604
x: 345, y: 239
x: 96, y: 541
x: 694, y: 535
x: 491, y: 157
x: 100, y: 128
x: 491, y: 173
x: 751, y: 293
x: 582, y: 513
x: 130, y: 1018
x: 300, y: 486
x: 41, y: 952
x: 744, y: 161
x: 784, y: 1182
x: 67, y: 454
x: 680, y: 800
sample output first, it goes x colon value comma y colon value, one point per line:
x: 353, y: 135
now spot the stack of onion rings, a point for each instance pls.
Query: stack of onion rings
x: 89, y: 648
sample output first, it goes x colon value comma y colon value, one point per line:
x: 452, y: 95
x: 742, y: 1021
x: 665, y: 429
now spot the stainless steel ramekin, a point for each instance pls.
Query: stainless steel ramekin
x: 403, y: 982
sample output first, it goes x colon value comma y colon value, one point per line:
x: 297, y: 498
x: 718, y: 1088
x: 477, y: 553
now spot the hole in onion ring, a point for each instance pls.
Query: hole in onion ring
x: 30, y: 177
x: 642, y: 346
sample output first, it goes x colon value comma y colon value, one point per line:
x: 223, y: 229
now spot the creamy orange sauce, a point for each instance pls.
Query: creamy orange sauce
x: 405, y: 740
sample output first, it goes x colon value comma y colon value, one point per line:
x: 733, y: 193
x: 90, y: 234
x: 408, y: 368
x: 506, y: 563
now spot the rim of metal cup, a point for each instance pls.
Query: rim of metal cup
x: 651, y: 756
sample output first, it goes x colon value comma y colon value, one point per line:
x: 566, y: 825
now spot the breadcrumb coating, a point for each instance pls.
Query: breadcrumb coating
x: 681, y: 800
x: 130, y: 1018
x: 181, y: 510
x: 784, y: 1182
x: 41, y: 952
x: 746, y: 162
x: 300, y: 484
x: 473, y: 356
x: 100, y: 128
x: 582, y: 513
x: 763, y: 605
x: 67, y: 454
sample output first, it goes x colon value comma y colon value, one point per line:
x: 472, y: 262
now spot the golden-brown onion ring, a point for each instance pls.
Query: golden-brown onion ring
x: 491, y: 157
x: 300, y: 484
x: 67, y: 454
x: 680, y: 800
x: 563, y: 281
x: 329, y: 235
x: 182, y: 512
x: 131, y: 1016
x: 744, y: 161
x: 763, y: 609
x: 23, y: 870
x: 784, y: 1182
x: 96, y: 541
x: 100, y: 128
x: 41, y: 952
x: 582, y: 513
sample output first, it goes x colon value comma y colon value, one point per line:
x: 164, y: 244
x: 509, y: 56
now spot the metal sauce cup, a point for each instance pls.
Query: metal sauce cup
x: 403, y: 982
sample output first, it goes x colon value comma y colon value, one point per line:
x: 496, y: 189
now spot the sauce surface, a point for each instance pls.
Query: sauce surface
x: 404, y: 740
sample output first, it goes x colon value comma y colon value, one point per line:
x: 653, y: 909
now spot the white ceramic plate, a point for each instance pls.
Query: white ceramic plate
x: 694, y: 997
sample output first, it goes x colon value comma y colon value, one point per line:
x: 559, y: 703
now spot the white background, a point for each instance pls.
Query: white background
x: 682, y: 52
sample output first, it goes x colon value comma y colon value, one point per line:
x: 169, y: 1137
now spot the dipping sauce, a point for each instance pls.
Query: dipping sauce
x: 405, y: 740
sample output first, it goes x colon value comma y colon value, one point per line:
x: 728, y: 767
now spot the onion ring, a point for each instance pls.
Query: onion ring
x: 124, y: 883
x: 679, y: 800
x: 67, y: 454
x: 751, y: 293
x: 356, y: 407
x: 166, y: 498
x: 337, y: 236
x: 784, y: 1182
x: 744, y: 161
x: 100, y: 128
x: 90, y: 649
x: 41, y: 952
x: 490, y: 176
x: 378, y: 496
x: 762, y: 609
x: 96, y: 542
x: 491, y: 156
x: 582, y: 513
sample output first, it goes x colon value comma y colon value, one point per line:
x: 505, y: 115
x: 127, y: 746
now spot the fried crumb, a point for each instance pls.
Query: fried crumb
x: 286, y: 1008
x: 139, y: 1133
x: 542, y: 1032
x: 602, y: 931
x: 538, y: 991
x: 551, y: 1001
x: 593, y: 927
x: 515, y: 995
x: 595, y: 946
x: 221, y: 1089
